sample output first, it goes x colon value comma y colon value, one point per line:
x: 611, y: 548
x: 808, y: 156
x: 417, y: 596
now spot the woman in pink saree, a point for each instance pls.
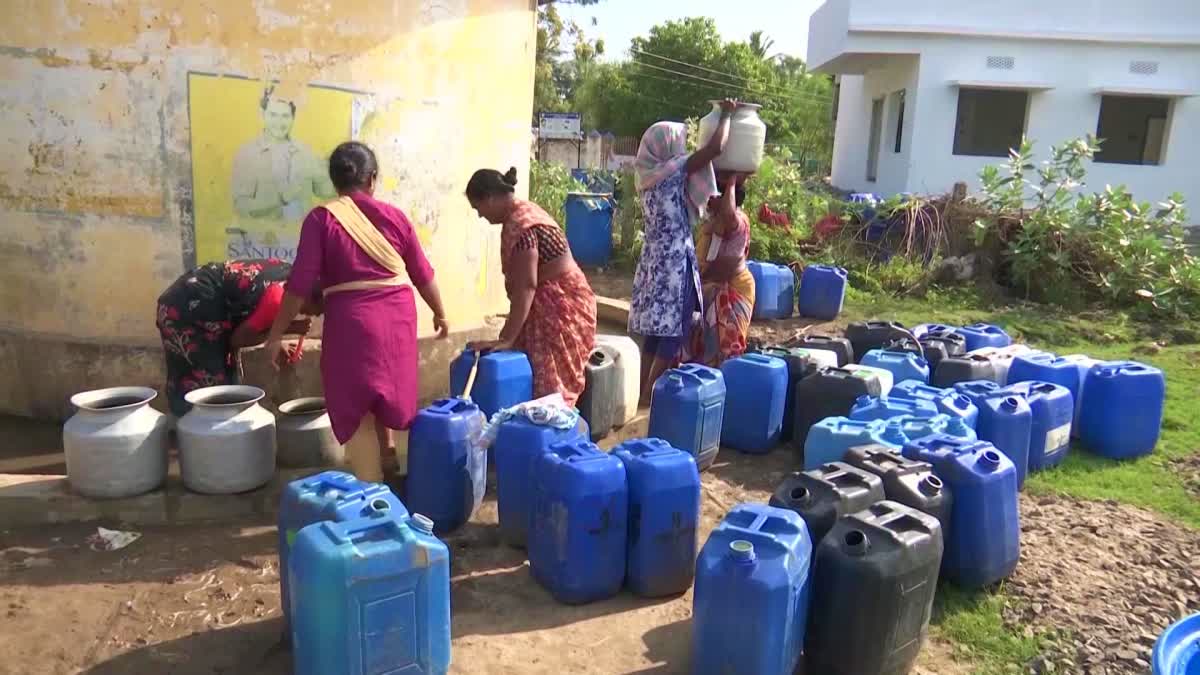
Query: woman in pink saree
x: 365, y: 254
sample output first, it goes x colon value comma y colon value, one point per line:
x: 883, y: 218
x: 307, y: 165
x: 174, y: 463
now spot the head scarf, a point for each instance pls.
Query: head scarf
x: 662, y: 154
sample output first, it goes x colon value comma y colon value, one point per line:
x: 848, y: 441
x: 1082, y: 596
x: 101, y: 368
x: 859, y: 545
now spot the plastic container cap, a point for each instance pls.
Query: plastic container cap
x: 422, y: 523
x: 741, y: 550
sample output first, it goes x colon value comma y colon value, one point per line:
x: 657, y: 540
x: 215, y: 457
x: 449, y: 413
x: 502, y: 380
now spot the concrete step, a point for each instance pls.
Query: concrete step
x: 32, y: 500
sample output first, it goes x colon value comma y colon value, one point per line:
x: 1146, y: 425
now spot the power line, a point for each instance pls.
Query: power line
x: 782, y: 89
x: 794, y: 96
x: 768, y: 96
x: 705, y: 89
x: 690, y: 65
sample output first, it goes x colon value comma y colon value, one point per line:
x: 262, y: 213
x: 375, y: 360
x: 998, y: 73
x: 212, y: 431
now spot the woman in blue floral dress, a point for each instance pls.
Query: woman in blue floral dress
x: 675, y: 188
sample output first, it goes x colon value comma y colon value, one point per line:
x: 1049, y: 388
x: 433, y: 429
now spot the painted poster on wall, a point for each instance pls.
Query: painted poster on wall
x: 259, y: 160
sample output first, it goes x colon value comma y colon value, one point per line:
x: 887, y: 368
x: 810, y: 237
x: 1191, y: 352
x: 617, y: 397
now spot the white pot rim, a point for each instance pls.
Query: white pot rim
x: 740, y: 106
x: 93, y: 400
x: 245, y: 395
x: 300, y: 407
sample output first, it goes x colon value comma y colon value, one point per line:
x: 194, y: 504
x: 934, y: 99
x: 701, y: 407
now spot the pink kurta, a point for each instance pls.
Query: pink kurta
x: 369, y: 345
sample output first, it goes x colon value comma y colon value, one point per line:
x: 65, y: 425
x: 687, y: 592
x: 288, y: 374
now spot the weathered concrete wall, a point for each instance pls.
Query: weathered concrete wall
x: 115, y: 172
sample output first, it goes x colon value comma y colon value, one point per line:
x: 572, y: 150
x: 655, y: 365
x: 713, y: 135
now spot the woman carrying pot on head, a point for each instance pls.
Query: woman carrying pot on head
x: 367, y: 258
x: 552, y: 317
x: 212, y: 312
x: 675, y: 188
x: 728, y: 285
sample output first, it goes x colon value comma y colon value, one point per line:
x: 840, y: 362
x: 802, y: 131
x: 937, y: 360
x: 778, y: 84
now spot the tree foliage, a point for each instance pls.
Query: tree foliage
x: 673, y: 72
x: 680, y: 66
x: 555, y: 79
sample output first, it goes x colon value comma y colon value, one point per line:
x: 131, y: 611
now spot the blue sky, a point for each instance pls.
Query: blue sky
x: 619, y: 21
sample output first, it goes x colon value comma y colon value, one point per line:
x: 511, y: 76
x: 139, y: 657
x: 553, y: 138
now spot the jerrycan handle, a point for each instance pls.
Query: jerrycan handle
x: 449, y: 406
x: 1115, y: 369
x: 761, y: 540
x: 335, y: 480
x: 913, y: 336
x: 377, y: 517
x: 647, y: 448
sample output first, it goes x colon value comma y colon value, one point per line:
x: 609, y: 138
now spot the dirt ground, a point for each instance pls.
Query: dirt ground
x: 205, y: 600
x: 202, y: 600
x: 1110, y: 575
x: 187, y: 600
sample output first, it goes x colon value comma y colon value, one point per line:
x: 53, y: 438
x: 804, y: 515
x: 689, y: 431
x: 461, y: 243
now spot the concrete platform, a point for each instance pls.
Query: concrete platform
x: 34, y: 490
x: 611, y: 311
x: 32, y: 500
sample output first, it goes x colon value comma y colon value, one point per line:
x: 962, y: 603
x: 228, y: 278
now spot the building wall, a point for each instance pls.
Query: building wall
x: 1069, y: 109
x: 897, y: 75
x: 571, y: 154
x: 1175, y: 20
x: 116, y: 132
x: 850, y: 134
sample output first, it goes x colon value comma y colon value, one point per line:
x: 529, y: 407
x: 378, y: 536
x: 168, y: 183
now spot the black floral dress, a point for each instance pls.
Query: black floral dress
x: 196, y: 318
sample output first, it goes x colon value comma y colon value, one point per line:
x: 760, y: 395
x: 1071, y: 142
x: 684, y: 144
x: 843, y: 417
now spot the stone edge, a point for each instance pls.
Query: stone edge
x: 31, y: 500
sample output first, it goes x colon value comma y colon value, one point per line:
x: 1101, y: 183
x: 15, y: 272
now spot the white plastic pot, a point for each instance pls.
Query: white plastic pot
x: 747, y: 138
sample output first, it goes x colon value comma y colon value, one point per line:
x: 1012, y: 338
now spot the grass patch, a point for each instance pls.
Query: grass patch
x: 974, y: 622
x: 1148, y: 482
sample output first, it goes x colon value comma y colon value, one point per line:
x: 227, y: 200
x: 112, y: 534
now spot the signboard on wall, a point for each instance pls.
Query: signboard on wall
x: 260, y: 160
x: 560, y: 125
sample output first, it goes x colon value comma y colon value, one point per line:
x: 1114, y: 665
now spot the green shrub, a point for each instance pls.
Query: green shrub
x: 628, y: 221
x: 548, y: 187
x: 1067, y: 247
x: 779, y: 184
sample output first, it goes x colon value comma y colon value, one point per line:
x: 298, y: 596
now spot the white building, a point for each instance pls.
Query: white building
x: 931, y: 91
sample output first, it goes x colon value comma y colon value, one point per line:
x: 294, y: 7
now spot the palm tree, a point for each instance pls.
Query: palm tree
x: 760, y: 44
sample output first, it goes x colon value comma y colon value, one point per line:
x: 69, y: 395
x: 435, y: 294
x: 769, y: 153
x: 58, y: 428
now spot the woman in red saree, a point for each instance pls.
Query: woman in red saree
x: 553, y: 310
x: 367, y: 258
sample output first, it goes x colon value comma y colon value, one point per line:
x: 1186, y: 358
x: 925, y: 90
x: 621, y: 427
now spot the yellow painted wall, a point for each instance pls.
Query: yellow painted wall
x: 107, y: 189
